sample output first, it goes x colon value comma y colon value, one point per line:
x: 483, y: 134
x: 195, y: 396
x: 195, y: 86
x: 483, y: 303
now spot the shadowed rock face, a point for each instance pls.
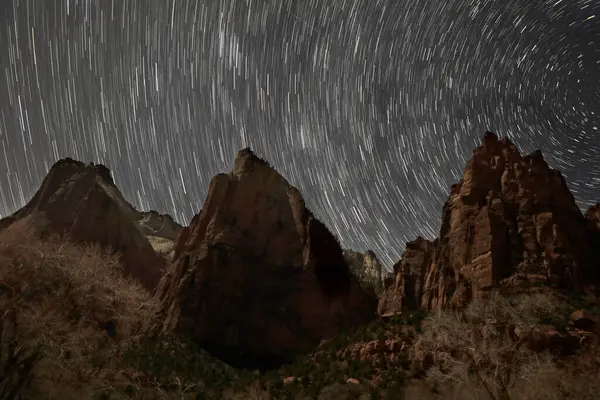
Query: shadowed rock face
x: 593, y: 217
x: 256, y: 278
x: 510, y: 222
x: 82, y: 201
x: 367, y: 268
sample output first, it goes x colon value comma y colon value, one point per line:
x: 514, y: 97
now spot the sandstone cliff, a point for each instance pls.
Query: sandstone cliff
x: 511, y: 221
x: 367, y: 268
x: 405, y: 290
x: 82, y: 201
x: 256, y: 278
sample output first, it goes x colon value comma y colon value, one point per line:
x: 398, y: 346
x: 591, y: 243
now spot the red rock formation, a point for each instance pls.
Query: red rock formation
x: 404, y: 292
x: 83, y: 202
x: 256, y: 277
x: 510, y: 216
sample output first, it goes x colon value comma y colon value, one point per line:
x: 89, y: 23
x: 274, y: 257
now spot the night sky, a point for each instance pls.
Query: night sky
x: 370, y: 107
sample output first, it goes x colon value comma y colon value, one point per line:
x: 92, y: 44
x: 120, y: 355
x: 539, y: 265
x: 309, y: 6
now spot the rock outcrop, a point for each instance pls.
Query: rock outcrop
x: 405, y: 291
x: 367, y: 268
x: 82, y: 201
x: 161, y: 230
x: 592, y: 215
x: 511, y: 216
x: 256, y: 278
x: 160, y: 225
x: 510, y: 222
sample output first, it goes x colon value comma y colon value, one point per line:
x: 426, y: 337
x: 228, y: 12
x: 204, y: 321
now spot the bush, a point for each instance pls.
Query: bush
x: 71, y: 304
x: 477, y: 351
x: 16, y: 363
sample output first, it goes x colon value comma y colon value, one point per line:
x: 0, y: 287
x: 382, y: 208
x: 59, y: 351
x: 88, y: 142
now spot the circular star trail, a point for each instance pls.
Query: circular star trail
x: 370, y: 107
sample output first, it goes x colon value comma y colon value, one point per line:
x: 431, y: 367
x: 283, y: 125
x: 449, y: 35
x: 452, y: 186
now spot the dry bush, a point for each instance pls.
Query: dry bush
x: 252, y: 392
x: 475, y: 355
x: 16, y: 362
x: 71, y: 302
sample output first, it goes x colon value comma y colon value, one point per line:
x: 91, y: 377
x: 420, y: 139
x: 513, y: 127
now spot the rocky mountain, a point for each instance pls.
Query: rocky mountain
x: 511, y: 222
x: 256, y: 279
x: 82, y: 201
x: 367, y: 268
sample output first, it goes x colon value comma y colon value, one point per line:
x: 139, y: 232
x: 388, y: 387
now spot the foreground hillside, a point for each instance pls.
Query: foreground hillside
x: 73, y: 329
x: 256, y: 299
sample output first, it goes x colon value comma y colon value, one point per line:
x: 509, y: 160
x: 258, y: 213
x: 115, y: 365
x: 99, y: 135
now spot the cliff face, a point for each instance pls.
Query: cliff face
x: 256, y: 278
x: 367, y: 268
x: 405, y: 290
x: 510, y: 221
x: 82, y: 201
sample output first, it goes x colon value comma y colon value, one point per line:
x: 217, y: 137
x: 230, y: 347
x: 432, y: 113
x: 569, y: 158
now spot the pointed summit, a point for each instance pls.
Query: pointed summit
x: 257, y: 274
x: 246, y: 161
x: 82, y: 201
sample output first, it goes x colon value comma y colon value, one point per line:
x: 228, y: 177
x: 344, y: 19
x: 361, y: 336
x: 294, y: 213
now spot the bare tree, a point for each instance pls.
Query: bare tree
x: 477, y: 350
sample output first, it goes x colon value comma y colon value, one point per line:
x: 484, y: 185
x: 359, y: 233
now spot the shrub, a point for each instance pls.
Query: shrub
x: 475, y: 350
x: 16, y: 363
x: 71, y: 304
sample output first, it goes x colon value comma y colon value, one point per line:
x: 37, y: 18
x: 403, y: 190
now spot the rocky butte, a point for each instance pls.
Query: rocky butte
x: 256, y: 279
x: 510, y: 222
x: 83, y: 202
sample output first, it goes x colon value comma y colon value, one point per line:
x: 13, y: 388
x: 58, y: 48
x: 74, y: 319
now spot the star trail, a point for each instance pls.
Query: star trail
x: 370, y: 107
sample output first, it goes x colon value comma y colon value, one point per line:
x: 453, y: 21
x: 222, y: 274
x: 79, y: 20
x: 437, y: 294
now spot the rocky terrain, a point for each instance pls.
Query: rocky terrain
x: 255, y: 298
